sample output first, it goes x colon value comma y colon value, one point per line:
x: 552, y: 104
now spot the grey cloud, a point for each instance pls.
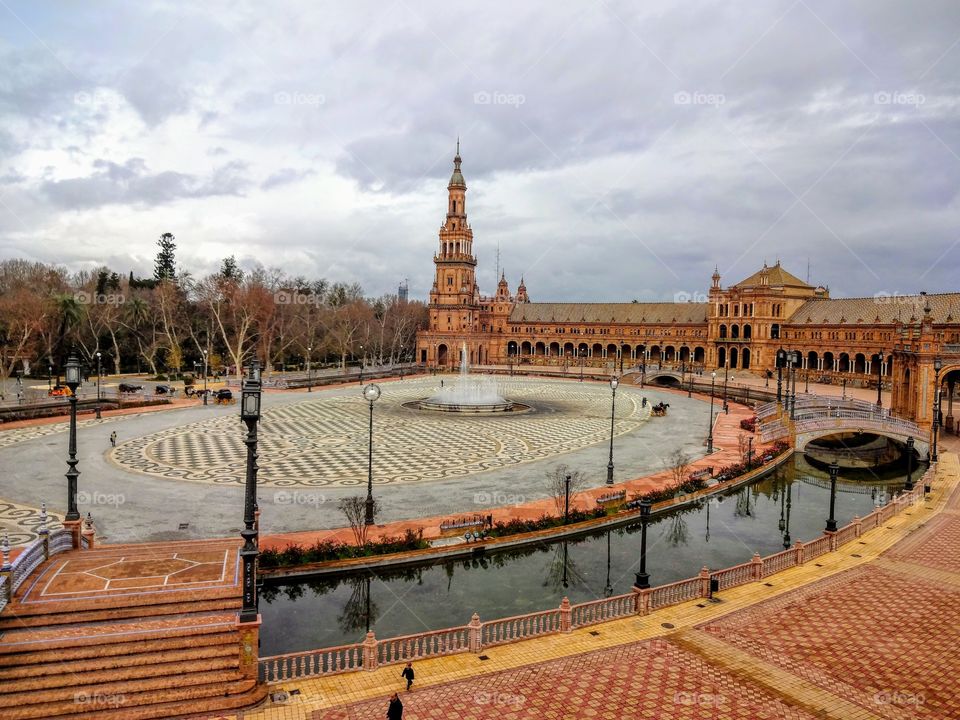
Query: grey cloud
x: 285, y: 176
x: 132, y: 182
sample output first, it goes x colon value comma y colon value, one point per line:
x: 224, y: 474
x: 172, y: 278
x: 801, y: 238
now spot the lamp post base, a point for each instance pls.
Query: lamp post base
x: 610, y: 474
x: 642, y: 581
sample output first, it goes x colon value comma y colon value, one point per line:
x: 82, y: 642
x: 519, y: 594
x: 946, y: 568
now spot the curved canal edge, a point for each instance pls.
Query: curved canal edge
x: 494, y: 545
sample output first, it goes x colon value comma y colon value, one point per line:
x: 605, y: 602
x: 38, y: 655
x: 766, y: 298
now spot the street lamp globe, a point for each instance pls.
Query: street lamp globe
x: 371, y: 392
x: 71, y: 373
x: 614, y: 382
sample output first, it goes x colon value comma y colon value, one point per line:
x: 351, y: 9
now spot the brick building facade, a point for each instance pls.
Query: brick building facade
x: 898, y: 340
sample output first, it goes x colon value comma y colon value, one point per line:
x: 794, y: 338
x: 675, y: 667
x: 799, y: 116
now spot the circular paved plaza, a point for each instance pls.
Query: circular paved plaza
x: 178, y: 473
x: 323, y: 440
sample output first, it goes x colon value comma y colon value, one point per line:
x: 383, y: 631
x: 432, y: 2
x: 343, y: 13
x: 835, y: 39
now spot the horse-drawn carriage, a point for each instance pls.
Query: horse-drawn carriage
x: 660, y: 409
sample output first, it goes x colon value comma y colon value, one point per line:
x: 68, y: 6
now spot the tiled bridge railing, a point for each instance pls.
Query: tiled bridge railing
x: 476, y: 636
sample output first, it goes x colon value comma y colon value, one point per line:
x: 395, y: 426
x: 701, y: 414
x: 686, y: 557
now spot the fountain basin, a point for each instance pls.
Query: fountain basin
x: 438, y: 405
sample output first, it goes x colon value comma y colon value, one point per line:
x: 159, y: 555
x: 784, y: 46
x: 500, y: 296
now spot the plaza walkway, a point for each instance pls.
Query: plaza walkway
x: 869, y: 631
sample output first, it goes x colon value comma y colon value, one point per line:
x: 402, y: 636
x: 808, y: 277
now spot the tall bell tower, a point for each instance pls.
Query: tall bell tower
x: 455, y: 298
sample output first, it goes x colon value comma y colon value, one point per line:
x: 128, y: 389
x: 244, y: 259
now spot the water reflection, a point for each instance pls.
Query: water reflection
x: 769, y: 516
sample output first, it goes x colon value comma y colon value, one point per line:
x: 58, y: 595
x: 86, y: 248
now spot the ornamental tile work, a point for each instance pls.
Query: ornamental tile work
x: 323, y: 442
x: 21, y: 523
x: 651, y: 679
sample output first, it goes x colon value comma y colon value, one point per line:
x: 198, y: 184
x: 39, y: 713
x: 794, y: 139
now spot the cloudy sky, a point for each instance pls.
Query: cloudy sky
x: 613, y: 150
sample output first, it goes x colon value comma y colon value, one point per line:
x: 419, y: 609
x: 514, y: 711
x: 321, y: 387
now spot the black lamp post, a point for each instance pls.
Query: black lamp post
x: 879, y: 378
x: 713, y: 381
x: 750, y: 452
x: 371, y: 393
x: 71, y: 372
x: 49, y: 376
x: 566, y: 499
x: 908, y: 485
x: 832, y: 521
x: 795, y: 358
x: 204, y: 377
x: 643, y: 369
x: 613, y: 407
x: 781, y: 359
x: 642, y: 580
x: 937, y: 367
x: 98, y: 384
x: 309, y: 381
x: 250, y: 414
x: 726, y: 373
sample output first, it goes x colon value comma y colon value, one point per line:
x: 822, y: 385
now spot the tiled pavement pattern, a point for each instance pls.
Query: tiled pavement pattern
x: 845, y: 637
x: 20, y: 523
x: 650, y: 679
x: 14, y: 435
x: 324, y: 442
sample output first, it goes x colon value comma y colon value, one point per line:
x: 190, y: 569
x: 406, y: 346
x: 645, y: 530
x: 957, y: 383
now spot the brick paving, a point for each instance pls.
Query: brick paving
x: 868, y: 632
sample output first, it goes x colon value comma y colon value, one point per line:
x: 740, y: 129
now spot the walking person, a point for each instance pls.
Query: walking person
x: 395, y: 709
x: 113, y: 438
x: 408, y: 674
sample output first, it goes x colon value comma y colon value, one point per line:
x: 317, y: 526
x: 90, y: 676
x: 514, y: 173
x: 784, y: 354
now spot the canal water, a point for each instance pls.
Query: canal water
x: 790, y: 504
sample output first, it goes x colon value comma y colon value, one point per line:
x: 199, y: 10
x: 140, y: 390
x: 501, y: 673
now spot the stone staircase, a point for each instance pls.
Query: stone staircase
x: 174, y: 653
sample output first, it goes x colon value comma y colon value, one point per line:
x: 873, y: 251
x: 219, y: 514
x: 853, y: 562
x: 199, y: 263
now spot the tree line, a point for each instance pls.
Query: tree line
x: 169, y: 323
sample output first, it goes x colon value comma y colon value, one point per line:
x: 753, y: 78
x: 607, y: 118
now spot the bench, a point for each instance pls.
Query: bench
x: 618, y: 496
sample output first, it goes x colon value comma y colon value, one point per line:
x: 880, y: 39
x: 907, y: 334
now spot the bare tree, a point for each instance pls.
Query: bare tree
x: 678, y: 462
x: 355, y: 510
x: 557, y: 485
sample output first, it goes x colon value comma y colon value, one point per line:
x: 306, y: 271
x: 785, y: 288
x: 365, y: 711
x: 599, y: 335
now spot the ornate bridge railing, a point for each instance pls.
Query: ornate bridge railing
x: 477, y: 635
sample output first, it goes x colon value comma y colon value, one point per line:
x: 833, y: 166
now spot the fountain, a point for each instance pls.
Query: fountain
x: 468, y: 393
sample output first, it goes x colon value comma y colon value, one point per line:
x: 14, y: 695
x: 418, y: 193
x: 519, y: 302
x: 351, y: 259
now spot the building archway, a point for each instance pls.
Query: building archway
x: 512, y: 348
x: 554, y: 349
x: 859, y: 363
x: 443, y: 354
x: 721, y: 357
x: 844, y: 365
x: 539, y: 349
x: 597, y: 350
x: 828, y: 361
x: 745, y: 359
x: 525, y: 347
x: 733, y: 357
x: 699, y: 355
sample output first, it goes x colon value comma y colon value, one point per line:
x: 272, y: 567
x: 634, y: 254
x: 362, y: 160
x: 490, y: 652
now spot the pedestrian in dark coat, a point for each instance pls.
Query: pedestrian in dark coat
x: 395, y: 710
x: 408, y: 674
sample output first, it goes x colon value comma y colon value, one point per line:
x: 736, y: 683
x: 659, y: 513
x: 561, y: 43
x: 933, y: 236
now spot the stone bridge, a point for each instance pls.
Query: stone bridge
x: 815, y: 417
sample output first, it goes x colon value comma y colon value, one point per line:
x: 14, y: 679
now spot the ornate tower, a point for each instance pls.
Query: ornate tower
x: 454, y: 298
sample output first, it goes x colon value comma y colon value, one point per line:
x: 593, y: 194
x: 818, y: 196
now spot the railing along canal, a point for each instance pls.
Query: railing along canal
x: 477, y: 635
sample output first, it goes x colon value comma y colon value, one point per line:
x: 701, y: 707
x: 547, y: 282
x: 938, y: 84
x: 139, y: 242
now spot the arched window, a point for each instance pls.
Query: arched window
x: 747, y: 332
x: 734, y: 331
x: 723, y: 331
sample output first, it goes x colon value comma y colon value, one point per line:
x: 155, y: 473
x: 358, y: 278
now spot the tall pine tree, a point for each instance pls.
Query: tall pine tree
x: 165, y: 266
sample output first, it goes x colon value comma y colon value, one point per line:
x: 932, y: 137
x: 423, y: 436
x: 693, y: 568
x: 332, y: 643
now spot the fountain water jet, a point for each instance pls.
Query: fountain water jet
x: 468, y: 393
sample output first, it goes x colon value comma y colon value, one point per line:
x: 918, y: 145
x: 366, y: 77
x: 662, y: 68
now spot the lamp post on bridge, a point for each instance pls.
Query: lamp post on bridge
x: 879, y: 378
x: 781, y: 360
x: 937, y: 367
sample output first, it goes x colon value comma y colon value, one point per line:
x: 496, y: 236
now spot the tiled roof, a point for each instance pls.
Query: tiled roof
x: 662, y: 312
x: 776, y: 276
x: 883, y: 308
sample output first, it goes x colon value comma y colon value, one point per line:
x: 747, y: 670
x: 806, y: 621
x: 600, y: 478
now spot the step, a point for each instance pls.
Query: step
x: 34, y: 639
x: 143, y: 705
x: 142, y: 667
x: 118, y: 600
x: 73, y: 617
x: 123, y: 688
x: 118, y: 651
x: 56, y: 662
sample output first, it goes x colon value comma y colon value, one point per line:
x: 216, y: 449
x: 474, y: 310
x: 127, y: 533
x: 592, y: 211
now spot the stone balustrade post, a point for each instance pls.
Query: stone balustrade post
x: 6, y: 569
x: 566, y: 615
x: 704, y: 581
x: 476, y: 634
x: 44, y: 531
x: 89, y: 532
x: 857, y: 525
x: 248, y: 640
x: 798, y: 547
x: 833, y: 539
x: 370, y: 652
x: 757, y: 566
x: 642, y: 599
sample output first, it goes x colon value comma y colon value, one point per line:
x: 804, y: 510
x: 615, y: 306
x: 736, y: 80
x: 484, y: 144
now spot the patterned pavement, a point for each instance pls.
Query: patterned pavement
x: 20, y: 523
x: 869, y: 632
x: 324, y: 442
